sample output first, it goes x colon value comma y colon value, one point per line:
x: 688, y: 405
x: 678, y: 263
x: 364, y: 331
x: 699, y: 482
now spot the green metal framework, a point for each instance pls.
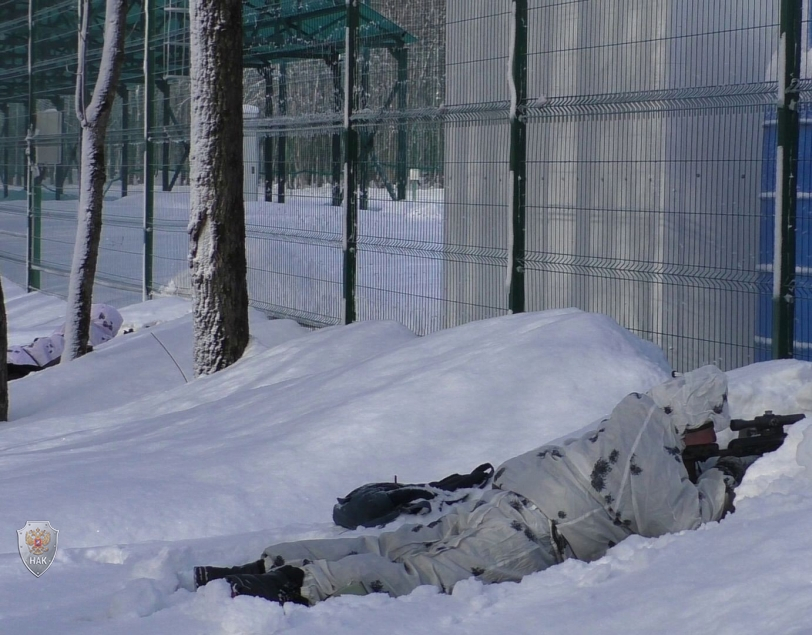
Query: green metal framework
x: 37, y: 72
x: 518, y: 157
x: 289, y: 30
x: 789, y: 97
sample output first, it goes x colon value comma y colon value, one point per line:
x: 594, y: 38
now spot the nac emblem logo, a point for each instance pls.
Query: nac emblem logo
x: 37, y: 542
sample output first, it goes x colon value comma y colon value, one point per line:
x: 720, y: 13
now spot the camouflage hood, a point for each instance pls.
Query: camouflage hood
x: 694, y: 399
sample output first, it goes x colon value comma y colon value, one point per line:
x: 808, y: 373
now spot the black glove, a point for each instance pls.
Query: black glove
x: 733, y: 468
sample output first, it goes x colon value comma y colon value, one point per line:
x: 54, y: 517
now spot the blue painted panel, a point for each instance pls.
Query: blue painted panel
x: 803, y: 244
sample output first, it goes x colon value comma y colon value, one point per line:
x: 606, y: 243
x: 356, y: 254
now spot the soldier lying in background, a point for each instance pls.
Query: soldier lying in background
x: 576, y: 500
x: 43, y: 352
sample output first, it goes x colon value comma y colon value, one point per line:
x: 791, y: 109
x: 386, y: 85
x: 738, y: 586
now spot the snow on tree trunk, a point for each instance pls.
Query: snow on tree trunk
x: 93, y: 118
x: 217, y: 217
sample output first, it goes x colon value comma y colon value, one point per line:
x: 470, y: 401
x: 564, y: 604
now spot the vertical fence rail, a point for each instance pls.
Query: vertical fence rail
x: 518, y: 155
x: 350, y: 163
x: 4, y: 134
x: 789, y: 76
x: 148, y: 174
x: 33, y: 181
x: 282, y: 141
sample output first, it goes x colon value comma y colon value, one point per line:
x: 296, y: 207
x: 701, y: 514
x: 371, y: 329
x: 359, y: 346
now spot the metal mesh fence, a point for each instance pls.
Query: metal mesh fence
x: 294, y: 170
x: 456, y: 160
x: 399, y: 92
x: 644, y: 164
x: 477, y: 137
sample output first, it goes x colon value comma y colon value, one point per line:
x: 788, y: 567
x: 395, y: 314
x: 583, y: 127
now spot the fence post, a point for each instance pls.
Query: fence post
x: 267, y: 141
x: 34, y: 180
x: 364, y: 137
x: 350, y: 162
x: 166, y: 119
x: 282, y: 141
x: 786, y: 190
x: 59, y: 177
x: 124, y: 172
x: 149, y: 114
x: 335, y: 68
x: 518, y: 155
x: 5, y: 134
x: 402, y: 170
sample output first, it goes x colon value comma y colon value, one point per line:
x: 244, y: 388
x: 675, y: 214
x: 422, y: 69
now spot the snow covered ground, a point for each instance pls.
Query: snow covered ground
x: 147, y: 472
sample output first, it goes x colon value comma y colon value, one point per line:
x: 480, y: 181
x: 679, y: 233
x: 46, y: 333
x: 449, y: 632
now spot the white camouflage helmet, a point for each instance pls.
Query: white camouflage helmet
x: 694, y: 399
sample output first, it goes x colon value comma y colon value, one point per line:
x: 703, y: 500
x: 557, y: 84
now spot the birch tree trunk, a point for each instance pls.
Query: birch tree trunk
x: 93, y: 118
x: 217, y: 216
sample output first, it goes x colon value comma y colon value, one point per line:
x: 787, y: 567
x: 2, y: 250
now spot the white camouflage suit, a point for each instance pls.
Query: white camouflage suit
x: 573, y: 500
x: 105, y: 321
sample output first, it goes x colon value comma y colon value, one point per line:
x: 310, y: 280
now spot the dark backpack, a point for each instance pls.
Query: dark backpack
x: 376, y: 504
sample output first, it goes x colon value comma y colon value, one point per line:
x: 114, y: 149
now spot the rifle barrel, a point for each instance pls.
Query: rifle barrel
x: 767, y: 420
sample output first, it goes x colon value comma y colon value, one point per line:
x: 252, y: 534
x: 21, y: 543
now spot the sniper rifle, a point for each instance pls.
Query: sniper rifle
x: 757, y: 436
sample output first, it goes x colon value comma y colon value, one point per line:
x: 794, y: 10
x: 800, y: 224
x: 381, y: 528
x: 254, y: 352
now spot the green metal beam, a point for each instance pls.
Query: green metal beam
x: 149, y: 117
x: 338, y: 97
x: 365, y: 137
x: 288, y: 30
x: 518, y: 156
x: 5, y: 136
x: 281, y: 142
x: 34, y: 180
x: 401, y: 169
x: 786, y: 201
x: 267, y: 142
x: 350, y: 163
x: 124, y: 94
